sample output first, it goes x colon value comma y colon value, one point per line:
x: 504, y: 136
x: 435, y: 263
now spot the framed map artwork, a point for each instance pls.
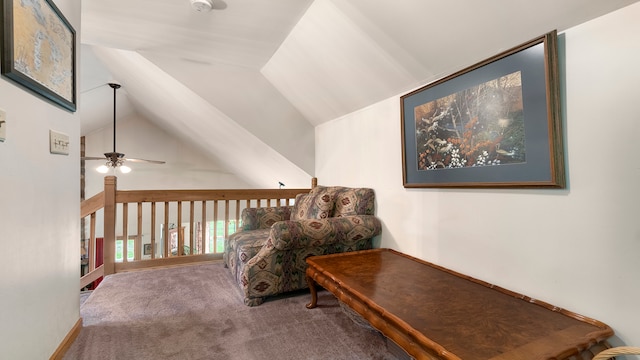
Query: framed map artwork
x: 39, y: 50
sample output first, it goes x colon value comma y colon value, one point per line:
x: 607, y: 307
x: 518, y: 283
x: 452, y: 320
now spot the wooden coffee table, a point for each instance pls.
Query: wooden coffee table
x: 435, y: 313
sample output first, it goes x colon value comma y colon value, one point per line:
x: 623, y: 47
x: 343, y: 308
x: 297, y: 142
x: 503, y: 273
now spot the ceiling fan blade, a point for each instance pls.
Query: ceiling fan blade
x: 143, y: 160
x: 125, y: 159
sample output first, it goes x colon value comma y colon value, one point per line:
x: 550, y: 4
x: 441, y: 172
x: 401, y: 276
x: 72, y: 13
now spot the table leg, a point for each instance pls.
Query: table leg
x: 314, y: 293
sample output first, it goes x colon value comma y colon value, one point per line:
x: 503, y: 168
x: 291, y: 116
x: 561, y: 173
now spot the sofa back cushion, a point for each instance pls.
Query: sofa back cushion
x: 357, y: 201
x: 349, y: 201
x: 312, y: 206
x: 263, y: 218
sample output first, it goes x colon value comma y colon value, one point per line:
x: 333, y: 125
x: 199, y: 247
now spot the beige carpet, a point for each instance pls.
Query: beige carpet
x: 196, y: 312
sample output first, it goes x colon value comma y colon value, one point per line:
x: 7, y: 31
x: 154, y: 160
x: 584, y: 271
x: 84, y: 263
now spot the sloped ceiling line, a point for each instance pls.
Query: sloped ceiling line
x: 194, y: 120
x: 355, y: 70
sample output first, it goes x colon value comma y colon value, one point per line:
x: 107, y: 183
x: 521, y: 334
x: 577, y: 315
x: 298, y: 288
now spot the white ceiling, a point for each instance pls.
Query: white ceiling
x: 270, y: 71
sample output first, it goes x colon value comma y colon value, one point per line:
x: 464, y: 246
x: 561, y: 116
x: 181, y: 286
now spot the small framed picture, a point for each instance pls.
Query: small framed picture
x: 147, y: 249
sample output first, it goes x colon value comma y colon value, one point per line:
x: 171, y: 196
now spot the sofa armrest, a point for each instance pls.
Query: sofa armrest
x: 263, y: 218
x: 295, y: 234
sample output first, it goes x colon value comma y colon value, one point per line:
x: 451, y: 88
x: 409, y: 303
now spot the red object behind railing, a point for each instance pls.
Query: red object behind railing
x: 99, y: 260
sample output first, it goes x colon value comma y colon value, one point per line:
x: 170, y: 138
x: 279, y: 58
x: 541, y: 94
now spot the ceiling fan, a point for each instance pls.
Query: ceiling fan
x: 115, y: 159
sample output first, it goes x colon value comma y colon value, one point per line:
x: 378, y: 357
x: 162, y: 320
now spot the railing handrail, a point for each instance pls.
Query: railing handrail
x: 134, y: 196
x: 91, y: 205
x: 96, y: 202
x: 92, y: 276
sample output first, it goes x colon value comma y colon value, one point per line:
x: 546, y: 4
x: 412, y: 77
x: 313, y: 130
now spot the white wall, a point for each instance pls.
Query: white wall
x: 39, y: 222
x: 575, y: 248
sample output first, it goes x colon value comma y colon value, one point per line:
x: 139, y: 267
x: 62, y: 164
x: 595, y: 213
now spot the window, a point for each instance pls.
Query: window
x: 219, y: 236
x: 131, y: 243
x: 130, y: 250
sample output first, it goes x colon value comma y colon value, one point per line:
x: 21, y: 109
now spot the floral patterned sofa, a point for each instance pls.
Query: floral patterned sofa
x: 267, y: 255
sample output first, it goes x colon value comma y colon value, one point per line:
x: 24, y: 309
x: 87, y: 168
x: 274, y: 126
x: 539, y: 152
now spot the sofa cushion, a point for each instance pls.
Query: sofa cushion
x: 313, y: 206
x: 359, y: 201
x: 349, y: 201
x: 241, y: 246
x: 263, y: 218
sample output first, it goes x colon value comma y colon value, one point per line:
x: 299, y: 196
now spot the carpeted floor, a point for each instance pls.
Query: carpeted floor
x: 84, y: 295
x: 196, y: 312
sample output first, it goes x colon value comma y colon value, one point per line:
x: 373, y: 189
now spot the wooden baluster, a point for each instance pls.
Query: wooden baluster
x: 125, y: 232
x: 237, y: 220
x: 226, y: 219
x: 191, y: 228
x: 166, y: 241
x: 153, y: 230
x: 137, y: 253
x: 180, y: 232
x: 215, y: 226
x: 92, y: 242
x: 109, y: 244
x: 204, y: 225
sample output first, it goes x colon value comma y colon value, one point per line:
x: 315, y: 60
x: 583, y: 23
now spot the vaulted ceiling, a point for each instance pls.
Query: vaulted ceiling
x: 251, y: 79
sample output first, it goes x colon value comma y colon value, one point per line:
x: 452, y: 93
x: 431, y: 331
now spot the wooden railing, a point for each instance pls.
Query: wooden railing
x: 165, y: 227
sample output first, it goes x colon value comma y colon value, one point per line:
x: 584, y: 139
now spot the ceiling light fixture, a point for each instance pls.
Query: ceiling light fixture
x: 114, y: 159
x: 202, y: 5
x: 103, y: 169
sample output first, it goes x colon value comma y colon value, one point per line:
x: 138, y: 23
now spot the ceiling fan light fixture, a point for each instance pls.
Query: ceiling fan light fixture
x: 102, y: 169
x: 115, y: 160
x: 202, y: 5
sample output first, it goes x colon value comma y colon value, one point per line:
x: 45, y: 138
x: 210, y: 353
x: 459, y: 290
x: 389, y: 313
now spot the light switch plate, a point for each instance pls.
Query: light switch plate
x: 58, y: 143
x: 3, y: 125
